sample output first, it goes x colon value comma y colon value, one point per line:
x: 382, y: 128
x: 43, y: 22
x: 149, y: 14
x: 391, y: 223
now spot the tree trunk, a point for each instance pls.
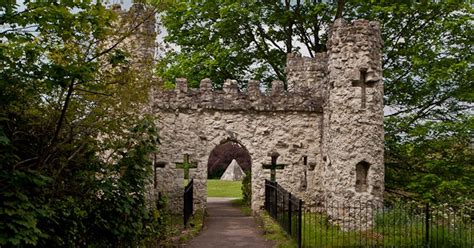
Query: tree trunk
x: 340, y: 8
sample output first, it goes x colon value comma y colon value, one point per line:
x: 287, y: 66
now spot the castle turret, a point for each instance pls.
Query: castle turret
x: 138, y: 27
x: 306, y: 74
x: 353, y: 137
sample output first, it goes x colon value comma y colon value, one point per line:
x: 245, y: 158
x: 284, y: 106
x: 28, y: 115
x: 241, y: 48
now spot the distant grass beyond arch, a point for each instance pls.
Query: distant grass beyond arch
x: 219, y: 188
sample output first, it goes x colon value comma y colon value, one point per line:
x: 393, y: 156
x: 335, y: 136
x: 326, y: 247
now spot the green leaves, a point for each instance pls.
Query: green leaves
x: 20, y: 211
x: 427, y: 62
x: 217, y: 40
x: 434, y: 160
x: 61, y: 77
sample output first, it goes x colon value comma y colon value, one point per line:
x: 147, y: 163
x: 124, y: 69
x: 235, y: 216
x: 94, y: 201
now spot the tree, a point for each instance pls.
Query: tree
x: 223, y: 154
x: 74, y: 142
x: 427, y: 66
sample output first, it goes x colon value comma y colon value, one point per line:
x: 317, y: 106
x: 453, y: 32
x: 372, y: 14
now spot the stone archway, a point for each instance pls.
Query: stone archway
x: 197, y: 133
x: 237, y: 181
x: 223, y: 154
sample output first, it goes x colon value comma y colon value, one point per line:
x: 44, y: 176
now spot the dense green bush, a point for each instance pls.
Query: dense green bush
x: 74, y: 141
x: 93, y: 204
x: 247, y: 188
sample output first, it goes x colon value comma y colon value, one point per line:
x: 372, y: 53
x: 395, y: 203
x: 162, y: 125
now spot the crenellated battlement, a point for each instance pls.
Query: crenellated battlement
x: 230, y: 98
x: 305, y: 74
x: 354, y: 46
x: 356, y: 33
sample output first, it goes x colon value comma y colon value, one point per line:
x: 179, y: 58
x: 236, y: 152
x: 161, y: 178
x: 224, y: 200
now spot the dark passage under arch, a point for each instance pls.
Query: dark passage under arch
x: 222, y: 155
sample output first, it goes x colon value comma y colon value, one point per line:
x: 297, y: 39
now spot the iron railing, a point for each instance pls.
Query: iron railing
x: 188, y: 202
x: 285, y: 208
x: 370, y: 223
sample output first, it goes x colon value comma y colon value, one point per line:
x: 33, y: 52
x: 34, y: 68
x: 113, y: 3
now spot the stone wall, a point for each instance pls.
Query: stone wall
x: 198, y: 132
x: 327, y: 128
x: 307, y: 75
x: 135, y: 30
x: 231, y: 99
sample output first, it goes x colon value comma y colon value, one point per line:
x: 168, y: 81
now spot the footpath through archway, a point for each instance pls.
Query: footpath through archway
x: 227, y: 226
x: 229, y: 171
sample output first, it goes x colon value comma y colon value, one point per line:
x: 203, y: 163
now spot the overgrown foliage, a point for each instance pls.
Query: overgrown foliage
x: 74, y: 143
x: 427, y: 68
x: 247, y: 188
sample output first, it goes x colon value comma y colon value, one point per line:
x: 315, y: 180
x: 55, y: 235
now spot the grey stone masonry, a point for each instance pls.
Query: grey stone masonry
x: 353, y: 137
x: 230, y: 98
x: 307, y: 75
x: 327, y: 127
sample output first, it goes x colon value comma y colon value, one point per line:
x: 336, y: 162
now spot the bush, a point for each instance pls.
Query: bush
x: 87, y: 203
x: 247, y: 188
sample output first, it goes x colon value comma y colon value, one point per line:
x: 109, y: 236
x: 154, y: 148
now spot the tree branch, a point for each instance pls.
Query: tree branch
x: 264, y: 52
x: 121, y: 39
x: 289, y: 28
x: 63, y: 111
x: 266, y: 37
x: 93, y: 92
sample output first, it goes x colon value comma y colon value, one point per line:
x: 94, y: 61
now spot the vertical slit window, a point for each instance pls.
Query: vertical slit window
x: 362, y: 171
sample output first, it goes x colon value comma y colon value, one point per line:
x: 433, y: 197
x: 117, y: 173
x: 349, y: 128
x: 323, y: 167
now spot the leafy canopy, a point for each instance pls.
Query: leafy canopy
x: 427, y: 70
x: 74, y: 141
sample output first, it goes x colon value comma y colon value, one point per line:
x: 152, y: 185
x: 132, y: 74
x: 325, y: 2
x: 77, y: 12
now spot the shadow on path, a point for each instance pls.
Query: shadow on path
x: 226, y: 226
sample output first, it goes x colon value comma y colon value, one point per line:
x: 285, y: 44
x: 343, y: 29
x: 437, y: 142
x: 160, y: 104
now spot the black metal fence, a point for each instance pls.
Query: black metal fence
x: 285, y: 208
x: 188, y: 201
x: 370, y: 224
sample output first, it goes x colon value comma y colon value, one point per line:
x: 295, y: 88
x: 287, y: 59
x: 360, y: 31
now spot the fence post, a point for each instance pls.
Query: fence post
x: 427, y: 225
x: 289, y: 213
x: 300, y: 220
x: 188, y: 202
x: 275, y: 204
x: 266, y: 196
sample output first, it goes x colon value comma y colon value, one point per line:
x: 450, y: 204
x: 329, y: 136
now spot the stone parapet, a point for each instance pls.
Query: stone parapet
x: 230, y: 98
x: 355, y: 46
x: 306, y: 74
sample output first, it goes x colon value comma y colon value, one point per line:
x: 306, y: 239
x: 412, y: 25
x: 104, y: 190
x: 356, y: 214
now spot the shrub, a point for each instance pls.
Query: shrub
x: 247, y: 188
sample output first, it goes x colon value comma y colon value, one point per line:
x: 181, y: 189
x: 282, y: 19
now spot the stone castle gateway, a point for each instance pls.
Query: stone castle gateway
x: 326, y: 129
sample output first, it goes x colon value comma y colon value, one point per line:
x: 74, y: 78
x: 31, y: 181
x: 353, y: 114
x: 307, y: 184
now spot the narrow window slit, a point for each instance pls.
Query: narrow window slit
x: 362, y: 171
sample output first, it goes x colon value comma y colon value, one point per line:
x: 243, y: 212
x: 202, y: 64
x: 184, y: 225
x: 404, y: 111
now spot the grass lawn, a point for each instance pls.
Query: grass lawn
x: 393, y: 228
x: 218, y: 188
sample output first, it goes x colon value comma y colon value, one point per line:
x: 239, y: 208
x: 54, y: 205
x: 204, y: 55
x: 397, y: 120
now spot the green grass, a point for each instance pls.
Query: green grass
x: 176, y: 234
x: 218, y: 188
x: 272, y: 231
x: 392, y: 229
x: 193, y: 227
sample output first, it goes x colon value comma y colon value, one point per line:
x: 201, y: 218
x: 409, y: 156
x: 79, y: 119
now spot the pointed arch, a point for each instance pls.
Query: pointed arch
x: 223, y: 153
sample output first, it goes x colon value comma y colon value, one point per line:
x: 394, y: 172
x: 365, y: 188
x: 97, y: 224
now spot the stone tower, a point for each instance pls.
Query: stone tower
x: 138, y: 26
x: 353, y: 137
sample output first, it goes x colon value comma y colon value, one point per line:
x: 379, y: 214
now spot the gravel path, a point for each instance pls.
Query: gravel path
x: 226, y: 226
